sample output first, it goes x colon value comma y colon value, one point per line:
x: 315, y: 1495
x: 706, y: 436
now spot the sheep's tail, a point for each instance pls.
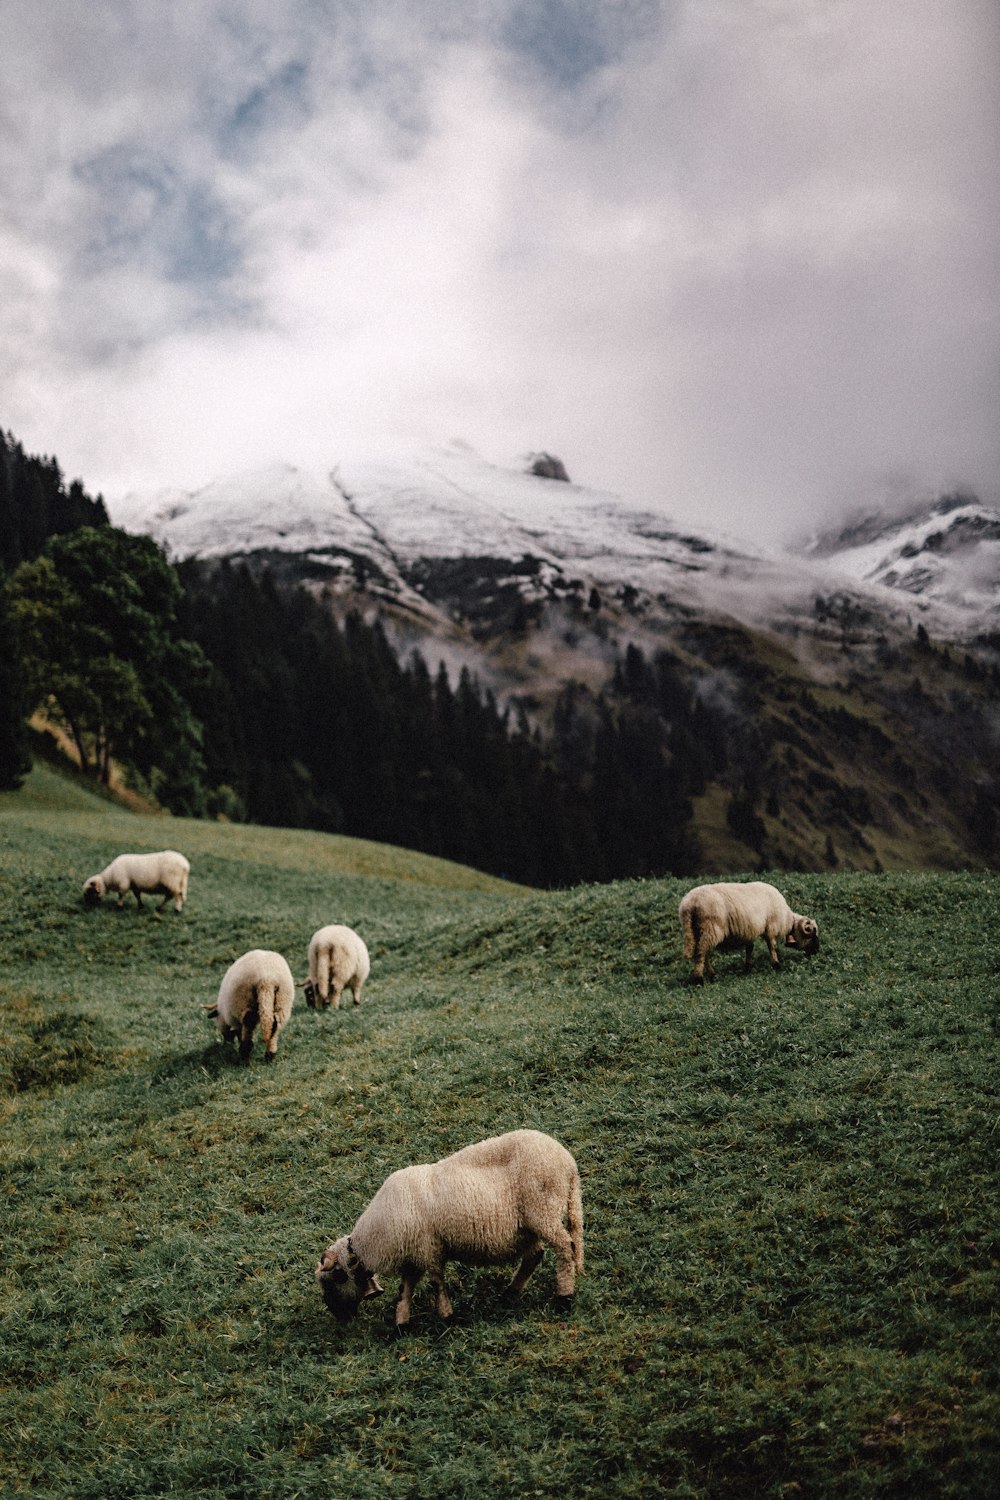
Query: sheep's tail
x: 574, y: 1214
x: 323, y: 974
x: 687, y: 927
x: 265, y: 1009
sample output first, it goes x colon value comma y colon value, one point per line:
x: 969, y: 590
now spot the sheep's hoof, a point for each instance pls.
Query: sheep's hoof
x: 402, y: 1329
x: 564, y: 1305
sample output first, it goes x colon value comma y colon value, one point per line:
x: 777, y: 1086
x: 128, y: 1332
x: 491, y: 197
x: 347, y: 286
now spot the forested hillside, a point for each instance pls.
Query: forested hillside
x: 228, y: 688
x: 314, y: 724
x: 35, y: 504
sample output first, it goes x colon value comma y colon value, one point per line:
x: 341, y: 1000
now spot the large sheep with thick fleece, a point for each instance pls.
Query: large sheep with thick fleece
x: 487, y: 1204
x: 733, y: 914
x: 257, y: 989
x: 338, y: 959
x: 164, y: 874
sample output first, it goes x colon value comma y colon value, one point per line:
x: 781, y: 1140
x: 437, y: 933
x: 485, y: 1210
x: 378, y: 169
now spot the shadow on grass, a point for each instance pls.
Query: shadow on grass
x: 308, y: 1328
x: 215, y: 1059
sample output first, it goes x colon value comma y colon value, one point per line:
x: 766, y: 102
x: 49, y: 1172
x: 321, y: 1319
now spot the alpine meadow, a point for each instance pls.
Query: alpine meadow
x: 789, y: 1181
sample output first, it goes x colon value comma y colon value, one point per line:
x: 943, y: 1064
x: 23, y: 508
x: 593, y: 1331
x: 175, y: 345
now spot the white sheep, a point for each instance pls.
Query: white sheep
x: 257, y: 988
x: 733, y: 914
x: 337, y: 959
x: 487, y: 1204
x: 163, y: 874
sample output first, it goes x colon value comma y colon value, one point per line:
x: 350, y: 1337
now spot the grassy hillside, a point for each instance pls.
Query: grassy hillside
x: 790, y: 1183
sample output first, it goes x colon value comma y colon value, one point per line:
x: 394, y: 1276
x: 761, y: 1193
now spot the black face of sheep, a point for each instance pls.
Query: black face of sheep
x: 309, y: 990
x: 344, y: 1286
x: 334, y: 1285
x: 804, y: 935
x: 92, y: 892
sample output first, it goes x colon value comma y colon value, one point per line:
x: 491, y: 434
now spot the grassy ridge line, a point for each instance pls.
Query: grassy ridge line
x: 790, y: 1192
x: 50, y: 800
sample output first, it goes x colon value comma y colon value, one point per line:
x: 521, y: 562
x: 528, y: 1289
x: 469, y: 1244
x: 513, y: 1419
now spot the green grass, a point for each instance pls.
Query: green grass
x: 790, y: 1184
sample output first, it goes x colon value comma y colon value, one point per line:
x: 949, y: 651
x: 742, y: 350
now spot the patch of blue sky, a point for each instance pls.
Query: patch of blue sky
x: 569, y: 40
x: 143, y: 212
x: 279, y: 100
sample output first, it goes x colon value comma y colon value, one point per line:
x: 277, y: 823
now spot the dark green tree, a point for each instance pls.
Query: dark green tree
x: 96, y: 620
x: 36, y: 504
x: 15, y: 756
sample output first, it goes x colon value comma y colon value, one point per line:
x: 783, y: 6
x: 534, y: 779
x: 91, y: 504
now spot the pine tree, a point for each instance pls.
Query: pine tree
x: 15, y: 756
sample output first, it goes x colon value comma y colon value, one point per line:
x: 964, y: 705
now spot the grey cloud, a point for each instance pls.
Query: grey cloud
x: 735, y: 260
x: 142, y: 210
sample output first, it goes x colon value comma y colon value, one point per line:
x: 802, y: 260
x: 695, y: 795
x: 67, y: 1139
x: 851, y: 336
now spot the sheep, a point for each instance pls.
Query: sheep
x: 337, y: 959
x: 165, y: 873
x: 257, y: 988
x: 732, y: 914
x: 485, y: 1205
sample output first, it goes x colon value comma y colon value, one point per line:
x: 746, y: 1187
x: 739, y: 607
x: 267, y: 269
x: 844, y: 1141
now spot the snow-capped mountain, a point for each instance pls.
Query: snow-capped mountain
x: 392, y: 527
x: 831, y: 714
x: 947, y: 551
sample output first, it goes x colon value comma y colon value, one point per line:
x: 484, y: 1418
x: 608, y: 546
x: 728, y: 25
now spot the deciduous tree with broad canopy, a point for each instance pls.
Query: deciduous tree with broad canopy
x: 96, y: 621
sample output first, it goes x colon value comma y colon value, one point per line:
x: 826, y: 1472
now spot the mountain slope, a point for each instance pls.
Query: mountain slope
x: 947, y: 551
x: 834, y: 730
x: 390, y: 526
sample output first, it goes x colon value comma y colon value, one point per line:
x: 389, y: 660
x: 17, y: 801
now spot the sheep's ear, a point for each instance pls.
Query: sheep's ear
x: 372, y: 1288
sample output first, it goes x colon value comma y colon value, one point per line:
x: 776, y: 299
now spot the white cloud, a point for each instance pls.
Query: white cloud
x: 738, y: 263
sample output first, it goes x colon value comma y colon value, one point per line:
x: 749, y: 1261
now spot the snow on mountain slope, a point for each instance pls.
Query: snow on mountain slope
x: 383, y: 522
x: 276, y: 509
x: 948, y: 552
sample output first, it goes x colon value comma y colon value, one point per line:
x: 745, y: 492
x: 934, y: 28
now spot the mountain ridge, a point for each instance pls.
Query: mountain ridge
x: 851, y: 715
x: 379, y: 524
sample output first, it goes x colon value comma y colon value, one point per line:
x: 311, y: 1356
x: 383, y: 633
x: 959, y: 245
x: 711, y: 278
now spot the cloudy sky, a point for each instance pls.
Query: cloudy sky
x: 735, y: 259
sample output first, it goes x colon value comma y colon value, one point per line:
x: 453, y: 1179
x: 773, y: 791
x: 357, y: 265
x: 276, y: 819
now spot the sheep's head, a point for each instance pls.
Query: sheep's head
x: 343, y: 1280
x: 309, y: 990
x: 93, y: 890
x: 804, y: 935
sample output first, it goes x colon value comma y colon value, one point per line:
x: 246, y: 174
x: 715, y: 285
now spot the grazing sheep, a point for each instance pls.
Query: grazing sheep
x: 257, y: 988
x: 487, y: 1204
x: 337, y: 959
x: 733, y: 914
x: 163, y: 874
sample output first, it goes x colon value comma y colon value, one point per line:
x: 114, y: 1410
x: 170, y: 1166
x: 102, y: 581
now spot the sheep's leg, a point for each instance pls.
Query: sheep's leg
x: 335, y: 989
x: 529, y: 1263
x: 247, y: 1025
x: 565, y: 1268
x: 356, y: 990
x: 748, y: 957
x: 772, y: 948
x: 411, y: 1275
x: 138, y: 896
x: 442, y: 1302
x: 703, y: 960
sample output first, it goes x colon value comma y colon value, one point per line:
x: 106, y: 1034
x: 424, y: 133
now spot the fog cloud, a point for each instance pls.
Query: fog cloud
x: 733, y: 259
